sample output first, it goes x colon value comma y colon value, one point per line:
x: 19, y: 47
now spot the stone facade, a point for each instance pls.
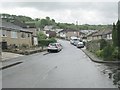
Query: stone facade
x: 18, y: 41
x: 14, y: 36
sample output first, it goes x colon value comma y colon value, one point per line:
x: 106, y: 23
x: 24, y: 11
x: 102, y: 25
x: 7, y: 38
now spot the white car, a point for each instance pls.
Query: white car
x: 80, y: 44
x: 54, y: 47
x: 73, y: 41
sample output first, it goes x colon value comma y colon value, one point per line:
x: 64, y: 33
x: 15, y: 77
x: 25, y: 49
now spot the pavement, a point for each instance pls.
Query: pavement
x: 8, y: 56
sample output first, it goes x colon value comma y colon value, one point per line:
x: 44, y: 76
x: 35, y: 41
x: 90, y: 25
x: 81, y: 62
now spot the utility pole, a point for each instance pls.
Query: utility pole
x: 77, y: 28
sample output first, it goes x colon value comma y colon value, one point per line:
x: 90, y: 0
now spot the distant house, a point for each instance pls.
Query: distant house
x: 66, y: 34
x: 89, y: 36
x: 51, y: 33
x: 101, y: 34
x: 13, y: 35
x: 82, y: 34
x: 48, y: 28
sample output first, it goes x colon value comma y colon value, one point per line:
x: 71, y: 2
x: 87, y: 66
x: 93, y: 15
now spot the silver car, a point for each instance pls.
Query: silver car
x: 80, y: 44
x: 54, y: 47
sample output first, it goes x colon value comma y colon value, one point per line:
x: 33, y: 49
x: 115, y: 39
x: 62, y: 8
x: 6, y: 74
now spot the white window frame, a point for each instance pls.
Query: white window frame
x: 14, y: 34
x: 4, y: 34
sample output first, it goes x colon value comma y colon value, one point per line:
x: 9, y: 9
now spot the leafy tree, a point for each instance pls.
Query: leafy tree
x: 41, y: 35
x: 118, y: 37
x: 37, y: 19
x: 43, y: 22
x: 48, y: 18
x: 53, y: 20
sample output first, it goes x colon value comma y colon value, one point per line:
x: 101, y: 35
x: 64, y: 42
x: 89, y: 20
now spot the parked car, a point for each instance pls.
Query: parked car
x: 80, y: 44
x: 72, y: 39
x: 54, y: 47
x: 76, y: 42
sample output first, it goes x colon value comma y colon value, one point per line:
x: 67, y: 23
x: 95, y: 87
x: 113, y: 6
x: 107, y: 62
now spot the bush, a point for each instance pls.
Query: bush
x: 99, y: 53
x: 45, y: 42
x: 107, y: 52
x: 41, y: 35
x: 103, y: 44
x: 115, y: 53
x: 52, y: 40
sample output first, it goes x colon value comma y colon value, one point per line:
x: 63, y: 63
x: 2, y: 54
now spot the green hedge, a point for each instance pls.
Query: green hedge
x: 45, y: 42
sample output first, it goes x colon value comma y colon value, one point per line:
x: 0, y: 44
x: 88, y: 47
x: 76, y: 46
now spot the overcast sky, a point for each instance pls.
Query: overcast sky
x: 66, y: 12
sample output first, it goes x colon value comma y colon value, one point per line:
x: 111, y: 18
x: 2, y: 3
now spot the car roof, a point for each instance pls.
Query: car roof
x: 54, y: 43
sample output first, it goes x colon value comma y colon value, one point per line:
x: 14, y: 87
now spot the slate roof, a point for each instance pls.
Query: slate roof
x: 11, y: 26
x: 102, y: 32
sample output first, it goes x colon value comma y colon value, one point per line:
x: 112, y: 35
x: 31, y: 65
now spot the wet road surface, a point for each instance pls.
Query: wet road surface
x: 69, y: 68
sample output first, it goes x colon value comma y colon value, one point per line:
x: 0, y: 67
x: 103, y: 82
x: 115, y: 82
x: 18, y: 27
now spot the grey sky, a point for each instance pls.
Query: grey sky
x: 70, y: 12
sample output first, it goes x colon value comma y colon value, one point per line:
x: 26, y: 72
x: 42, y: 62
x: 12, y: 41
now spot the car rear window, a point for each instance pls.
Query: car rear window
x: 52, y: 44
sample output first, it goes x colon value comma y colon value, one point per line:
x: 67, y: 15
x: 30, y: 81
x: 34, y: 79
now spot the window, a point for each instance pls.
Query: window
x: 23, y: 35
x: 4, y: 33
x: 28, y: 35
x: 13, y: 34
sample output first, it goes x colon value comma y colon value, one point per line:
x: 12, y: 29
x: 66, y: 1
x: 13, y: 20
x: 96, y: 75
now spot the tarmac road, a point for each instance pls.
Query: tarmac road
x: 69, y: 68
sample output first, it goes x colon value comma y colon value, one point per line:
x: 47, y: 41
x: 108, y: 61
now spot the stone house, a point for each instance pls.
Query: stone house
x: 13, y: 35
x: 48, y: 28
x: 30, y: 26
x: 51, y: 34
x: 101, y: 34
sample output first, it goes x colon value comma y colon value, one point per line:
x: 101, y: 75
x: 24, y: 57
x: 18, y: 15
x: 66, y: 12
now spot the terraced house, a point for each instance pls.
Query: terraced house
x: 13, y: 35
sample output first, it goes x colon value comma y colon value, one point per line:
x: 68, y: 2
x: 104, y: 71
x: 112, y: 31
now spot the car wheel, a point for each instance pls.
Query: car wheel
x: 48, y: 50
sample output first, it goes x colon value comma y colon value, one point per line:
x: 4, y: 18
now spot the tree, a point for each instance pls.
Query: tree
x: 114, y: 35
x: 41, y: 36
x: 118, y: 37
x: 48, y: 18
x: 118, y: 34
x: 37, y: 19
x: 53, y: 20
x: 43, y: 22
